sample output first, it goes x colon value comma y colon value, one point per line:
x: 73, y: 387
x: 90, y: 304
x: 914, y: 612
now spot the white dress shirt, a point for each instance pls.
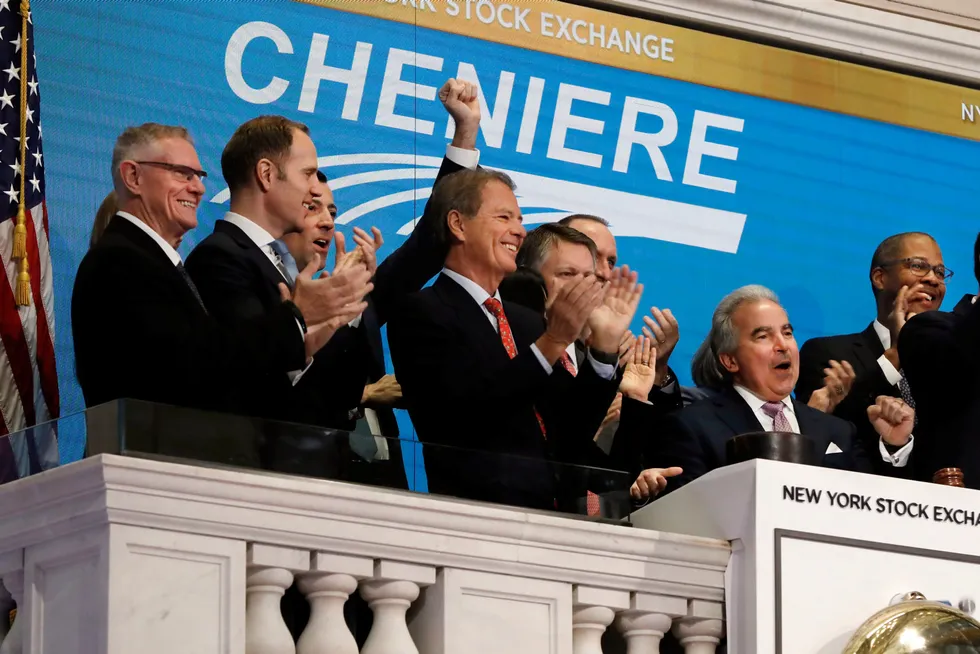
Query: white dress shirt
x: 899, y: 459
x: 263, y: 240
x: 885, y: 336
x: 479, y: 295
x: 166, y: 247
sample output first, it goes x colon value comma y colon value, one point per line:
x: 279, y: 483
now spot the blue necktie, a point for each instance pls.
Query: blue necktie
x: 287, y: 265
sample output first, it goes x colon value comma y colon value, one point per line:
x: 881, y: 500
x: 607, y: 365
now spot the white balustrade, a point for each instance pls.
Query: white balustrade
x: 328, y: 585
x: 593, y: 609
x: 390, y: 593
x: 197, y: 559
x: 698, y: 635
x: 647, y: 620
x: 270, y: 573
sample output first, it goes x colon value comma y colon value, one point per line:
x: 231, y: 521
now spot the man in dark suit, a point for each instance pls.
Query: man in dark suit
x: 939, y: 353
x: 907, y: 277
x: 139, y: 325
x: 493, y: 377
x: 756, y: 365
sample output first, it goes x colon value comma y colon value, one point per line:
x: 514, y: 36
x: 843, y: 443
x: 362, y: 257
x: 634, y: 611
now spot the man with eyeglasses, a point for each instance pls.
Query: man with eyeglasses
x: 139, y: 325
x: 940, y: 354
x: 907, y: 278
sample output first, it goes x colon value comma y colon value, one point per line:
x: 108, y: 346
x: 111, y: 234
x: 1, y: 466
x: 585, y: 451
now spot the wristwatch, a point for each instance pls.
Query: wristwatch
x: 668, y: 378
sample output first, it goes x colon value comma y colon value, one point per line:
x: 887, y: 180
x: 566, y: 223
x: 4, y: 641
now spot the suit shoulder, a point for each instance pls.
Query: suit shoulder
x: 422, y: 302
x: 214, y: 244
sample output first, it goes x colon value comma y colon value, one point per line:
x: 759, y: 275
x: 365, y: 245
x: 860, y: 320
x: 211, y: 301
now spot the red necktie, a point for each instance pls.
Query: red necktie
x: 496, y: 309
x: 591, y: 499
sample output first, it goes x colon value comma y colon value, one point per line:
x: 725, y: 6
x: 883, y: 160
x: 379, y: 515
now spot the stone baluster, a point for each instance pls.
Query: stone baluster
x: 647, y: 620
x: 702, y: 629
x: 12, y: 578
x: 390, y: 592
x: 593, y: 609
x: 331, y: 580
x: 269, y: 573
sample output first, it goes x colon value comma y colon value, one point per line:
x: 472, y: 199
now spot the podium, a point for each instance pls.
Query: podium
x: 816, y: 551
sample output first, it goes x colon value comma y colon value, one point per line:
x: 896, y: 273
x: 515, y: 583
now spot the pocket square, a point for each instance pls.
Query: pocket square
x: 833, y: 449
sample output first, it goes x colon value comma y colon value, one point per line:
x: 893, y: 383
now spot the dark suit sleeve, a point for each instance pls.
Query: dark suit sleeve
x: 415, y: 262
x: 681, y: 445
x: 814, y: 357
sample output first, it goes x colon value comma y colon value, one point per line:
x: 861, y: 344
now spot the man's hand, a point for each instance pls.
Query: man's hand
x: 613, y: 413
x: 626, y: 348
x: 567, y: 316
x: 837, y: 382
x: 321, y: 300
x: 461, y: 99
x: 318, y: 335
x: 640, y: 373
x: 893, y: 419
x: 368, y: 246
x: 665, y: 332
x: 895, y: 321
x: 386, y: 391
x: 651, y: 481
x: 612, y: 318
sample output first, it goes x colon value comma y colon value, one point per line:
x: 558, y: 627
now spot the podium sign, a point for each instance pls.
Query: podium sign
x: 816, y: 551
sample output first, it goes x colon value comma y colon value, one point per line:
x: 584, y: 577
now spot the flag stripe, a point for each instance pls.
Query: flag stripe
x: 44, y: 349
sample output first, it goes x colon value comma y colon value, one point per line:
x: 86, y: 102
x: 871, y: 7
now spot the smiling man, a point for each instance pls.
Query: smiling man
x: 140, y: 327
x: 755, y: 364
x: 494, y: 377
x: 907, y: 277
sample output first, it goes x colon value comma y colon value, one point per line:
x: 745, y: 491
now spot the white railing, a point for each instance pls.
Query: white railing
x: 119, y: 555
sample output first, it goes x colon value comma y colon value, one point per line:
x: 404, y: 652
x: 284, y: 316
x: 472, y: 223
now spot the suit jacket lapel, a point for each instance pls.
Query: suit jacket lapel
x: 868, y: 348
x: 736, y: 413
x: 471, y: 316
x: 810, y: 428
x: 252, y: 251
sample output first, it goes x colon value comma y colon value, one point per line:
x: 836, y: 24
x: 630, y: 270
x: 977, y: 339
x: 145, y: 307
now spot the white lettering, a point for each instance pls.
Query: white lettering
x: 393, y: 86
x: 593, y: 35
x: 652, y: 51
x: 233, y: 62
x: 492, y: 123
x: 317, y: 71
x: 563, y: 26
x: 564, y: 121
x: 651, y: 141
x: 633, y: 42
x: 500, y: 16
x: 453, y: 8
x: 575, y: 26
x: 520, y: 19
x: 427, y: 4
x: 666, y: 49
x: 482, y: 9
x: 614, y: 40
x: 968, y: 112
x: 529, y: 121
x: 546, y: 24
x: 699, y: 147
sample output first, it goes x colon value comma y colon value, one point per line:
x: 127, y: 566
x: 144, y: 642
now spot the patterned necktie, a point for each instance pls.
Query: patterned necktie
x: 779, y: 420
x: 190, y: 283
x: 906, y: 391
x: 287, y: 264
x: 566, y: 362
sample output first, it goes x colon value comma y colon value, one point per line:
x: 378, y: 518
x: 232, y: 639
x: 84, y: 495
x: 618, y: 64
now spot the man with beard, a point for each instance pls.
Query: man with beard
x: 907, y: 277
x: 756, y: 365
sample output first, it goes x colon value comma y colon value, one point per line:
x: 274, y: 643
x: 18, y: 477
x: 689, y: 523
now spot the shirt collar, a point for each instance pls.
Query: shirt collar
x: 166, y: 247
x: 257, y: 234
x: 475, y: 291
x: 884, y: 335
x: 755, y: 402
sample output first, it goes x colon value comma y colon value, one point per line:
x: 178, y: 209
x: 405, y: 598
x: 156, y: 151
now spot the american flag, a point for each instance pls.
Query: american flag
x: 28, y: 375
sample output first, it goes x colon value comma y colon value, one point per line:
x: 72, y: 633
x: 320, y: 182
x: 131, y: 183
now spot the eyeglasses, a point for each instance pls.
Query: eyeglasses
x: 183, y: 173
x: 920, y: 267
